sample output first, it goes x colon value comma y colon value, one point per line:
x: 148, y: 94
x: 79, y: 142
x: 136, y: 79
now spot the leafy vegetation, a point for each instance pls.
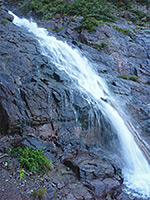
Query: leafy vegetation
x: 139, y: 17
x: 22, y: 172
x: 101, y: 45
x: 85, y: 8
x: 128, y: 3
x: 123, y: 3
x: 30, y: 159
x: 123, y: 30
x: 4, y: 22
x: 39, y: 194
x: 131, y: 77
x: 143, y: 2
x: 93, y: 12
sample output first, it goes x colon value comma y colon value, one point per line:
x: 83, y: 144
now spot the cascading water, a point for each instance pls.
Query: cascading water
x: 136, y: 169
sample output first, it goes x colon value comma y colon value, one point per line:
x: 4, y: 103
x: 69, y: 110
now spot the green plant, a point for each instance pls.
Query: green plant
x: 31, y: 159
x: 22, y: 172
x: 139, y: 28
x: 89, y: 24
x: 101, y: 45
x: 60, y: 29
x: 123, y: 3
x: 139, y: 16
x: 4, y: 22
x: 122, y: 30
x: 39, y: 194
x: 131, y: 77
x: 144, y: 2
x: 91, y: 11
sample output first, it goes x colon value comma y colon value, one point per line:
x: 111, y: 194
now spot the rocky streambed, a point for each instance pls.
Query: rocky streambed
x: 39, y: 108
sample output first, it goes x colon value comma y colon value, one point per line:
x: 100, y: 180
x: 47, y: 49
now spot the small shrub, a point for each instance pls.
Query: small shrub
x: 89, y: 24
x: 31, y: 159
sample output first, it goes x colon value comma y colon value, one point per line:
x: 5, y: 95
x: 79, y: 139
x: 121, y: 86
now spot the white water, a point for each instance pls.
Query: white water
x: 136, y: 169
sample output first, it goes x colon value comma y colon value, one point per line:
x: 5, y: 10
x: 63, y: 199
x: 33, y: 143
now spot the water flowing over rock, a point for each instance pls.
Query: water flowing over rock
x: 32, y: 91
x: 38, y: 100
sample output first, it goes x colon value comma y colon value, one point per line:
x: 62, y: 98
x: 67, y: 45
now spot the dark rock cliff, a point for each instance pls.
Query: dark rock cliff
x: 33, y: 92
x: 38, y: 101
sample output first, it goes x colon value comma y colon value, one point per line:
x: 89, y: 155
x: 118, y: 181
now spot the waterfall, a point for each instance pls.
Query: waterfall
x: 136, y: 170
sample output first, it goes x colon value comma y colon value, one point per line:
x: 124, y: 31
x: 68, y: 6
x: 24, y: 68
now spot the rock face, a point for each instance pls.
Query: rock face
x: 38, y: 102
x: 33, y: 93
x: 123, y: 53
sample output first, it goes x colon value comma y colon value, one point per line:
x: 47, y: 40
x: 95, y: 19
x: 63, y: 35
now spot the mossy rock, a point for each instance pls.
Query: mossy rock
x: 4, y: 22
x: 130, y: 77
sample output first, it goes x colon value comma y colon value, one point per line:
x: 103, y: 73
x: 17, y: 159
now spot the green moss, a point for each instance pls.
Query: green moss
x: 101, y: 45
x: 139, y: 28
x: 131, y: 77
x: 122, y: 30
x: 52, y: 29
x: 30, y: 159
x: 60, y: 29
x: 4, y: 22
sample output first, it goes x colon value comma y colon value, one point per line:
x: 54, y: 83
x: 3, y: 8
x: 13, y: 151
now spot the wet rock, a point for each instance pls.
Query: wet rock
x: 102, y: 188
x: 48, y: 132
x: 87, y: 167
x: 122, y: 196
x: 38, y: 144
x: 34, y: 91
x: 81, y: 192
x: 70, y: 196
x: 33, y: 143
x: 50, y: 156
x: 50, y: 192
x: 11, y: 112
x: 137, y: 51
x: 1, y: 2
